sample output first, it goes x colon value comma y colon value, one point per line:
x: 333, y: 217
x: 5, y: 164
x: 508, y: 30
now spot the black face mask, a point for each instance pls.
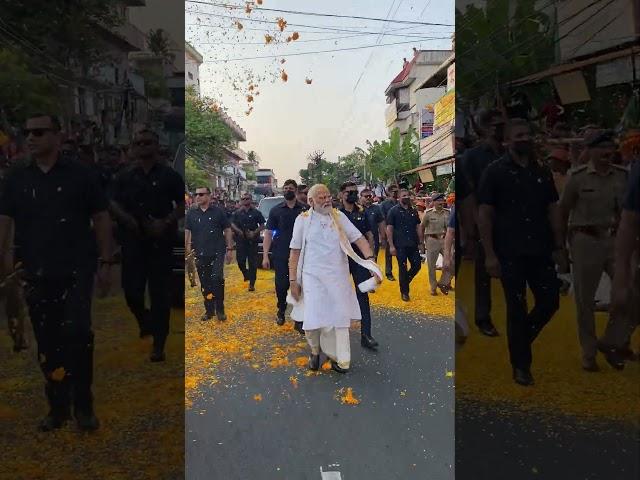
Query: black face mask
x: 406, y: 201
x: 352, y: 197
x: 523, y: 148
x: 289, y: 195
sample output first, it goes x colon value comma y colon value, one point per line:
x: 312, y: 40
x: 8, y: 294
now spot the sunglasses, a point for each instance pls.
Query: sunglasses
x: 36, y: 132
x: 202, y: 194
x: 367, y: 196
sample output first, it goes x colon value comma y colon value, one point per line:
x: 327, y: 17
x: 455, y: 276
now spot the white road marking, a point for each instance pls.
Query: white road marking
x: 330, y: 475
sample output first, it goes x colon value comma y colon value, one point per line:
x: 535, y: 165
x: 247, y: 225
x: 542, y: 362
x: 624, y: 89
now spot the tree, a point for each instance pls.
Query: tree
x: 59, y: 33
x: 386, y: 159
x: 159, y: 45
x: 195, y: 176
x: 500, y: 43
x: 207, y: 135
x: 21, y: 91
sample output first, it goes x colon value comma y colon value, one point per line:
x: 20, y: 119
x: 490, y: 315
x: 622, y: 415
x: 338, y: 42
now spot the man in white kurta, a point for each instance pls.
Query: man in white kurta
x: 326, y: 302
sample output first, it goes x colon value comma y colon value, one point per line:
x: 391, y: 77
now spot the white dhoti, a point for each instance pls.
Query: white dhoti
x: 333, y: 342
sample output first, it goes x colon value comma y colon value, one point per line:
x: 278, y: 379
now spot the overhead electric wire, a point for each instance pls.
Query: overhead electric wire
x: 355, y: 33
x: 271, y: 22
x: 309, y: 53
x: 317, y: 14
x: 300, y: 41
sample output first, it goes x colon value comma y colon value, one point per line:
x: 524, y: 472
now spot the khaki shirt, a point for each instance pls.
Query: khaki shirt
x: 434, y: 222
x: 594, y: 200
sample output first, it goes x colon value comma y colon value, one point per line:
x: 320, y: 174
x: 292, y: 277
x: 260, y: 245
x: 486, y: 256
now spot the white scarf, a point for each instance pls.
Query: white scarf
x: 345, y: 246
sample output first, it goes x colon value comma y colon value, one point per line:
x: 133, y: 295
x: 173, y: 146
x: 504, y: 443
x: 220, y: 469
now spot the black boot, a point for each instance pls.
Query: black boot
x: 298, y: 328
x: 82, y: 396
x: 157, y: 354
x: 59, y: 405
x: 83, y: 409
x: 367, y: 341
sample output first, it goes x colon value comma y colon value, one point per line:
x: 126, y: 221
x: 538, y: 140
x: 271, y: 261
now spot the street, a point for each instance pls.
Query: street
x: 251, y: 397
x: 586, y: 422
x: 137, y: 402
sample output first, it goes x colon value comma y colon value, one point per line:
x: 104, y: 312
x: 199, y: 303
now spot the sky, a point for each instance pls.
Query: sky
x: 344, y: 105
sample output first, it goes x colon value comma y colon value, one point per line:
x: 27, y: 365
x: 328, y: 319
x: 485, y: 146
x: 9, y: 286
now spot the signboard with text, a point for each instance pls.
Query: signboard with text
x: 444, y: 110
x: 426, y: 121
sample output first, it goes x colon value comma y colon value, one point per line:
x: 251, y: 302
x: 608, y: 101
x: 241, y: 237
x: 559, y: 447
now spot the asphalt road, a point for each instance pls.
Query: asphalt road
x: 402, y: 428
x: 498, y: 442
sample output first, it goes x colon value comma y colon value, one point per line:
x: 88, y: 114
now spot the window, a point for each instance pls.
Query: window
x: 190, y: 76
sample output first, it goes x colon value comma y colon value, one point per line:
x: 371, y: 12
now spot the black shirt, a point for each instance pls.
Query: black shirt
x: 149, y: 196
x: 632, y: 200
x: 473, y: 163
x: 52, y: 213
x: 404, y: 222
x: 250, y: 219
x: 386, y: 206
x: 207, y: 230
x: 359, y: 220
x: 521, y: 197
x: 374, y: 217
x: 280, y: 222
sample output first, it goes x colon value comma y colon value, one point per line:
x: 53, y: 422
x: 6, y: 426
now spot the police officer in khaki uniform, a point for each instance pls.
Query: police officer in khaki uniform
x: 591, y: 204
x: 434, y: 222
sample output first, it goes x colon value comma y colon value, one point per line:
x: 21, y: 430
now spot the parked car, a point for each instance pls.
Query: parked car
x: 265, y: 206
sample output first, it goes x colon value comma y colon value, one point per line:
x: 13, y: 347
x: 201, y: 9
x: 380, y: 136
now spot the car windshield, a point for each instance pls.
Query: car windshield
x: 267, y: 203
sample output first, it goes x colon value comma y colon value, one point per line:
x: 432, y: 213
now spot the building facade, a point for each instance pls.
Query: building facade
x: 405, y: 101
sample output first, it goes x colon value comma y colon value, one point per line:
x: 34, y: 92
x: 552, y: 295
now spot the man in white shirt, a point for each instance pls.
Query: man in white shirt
x: 321, y: 289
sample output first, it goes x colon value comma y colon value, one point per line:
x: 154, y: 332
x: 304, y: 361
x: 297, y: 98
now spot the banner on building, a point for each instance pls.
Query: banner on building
x: 451, y: 77
x: 427, y: 121
x: 444, y: 110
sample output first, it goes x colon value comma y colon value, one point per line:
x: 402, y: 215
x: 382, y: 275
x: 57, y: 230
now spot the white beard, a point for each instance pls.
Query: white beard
x: 324, y: 210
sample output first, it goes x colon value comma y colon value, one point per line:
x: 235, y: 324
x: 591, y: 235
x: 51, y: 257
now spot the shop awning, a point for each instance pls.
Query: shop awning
x: 572, y: 66
x: 442, y: 161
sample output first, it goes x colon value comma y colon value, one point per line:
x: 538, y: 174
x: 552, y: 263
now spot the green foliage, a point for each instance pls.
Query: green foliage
x: 155, y: 82
x: 488, y: 54
x: 382, y: 161
x: 250, y: 171
x: 206, y: 133
x: 195, y: 176
x: 386, y: 159
x: 333, y: 174
x: 159, y: 45
x: 60, y: 31
x: 21, y: 91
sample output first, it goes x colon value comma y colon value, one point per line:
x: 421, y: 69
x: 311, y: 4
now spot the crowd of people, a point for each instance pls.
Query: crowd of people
x: 319, y: 246
x: 552, y: 210
x: 66, y: 217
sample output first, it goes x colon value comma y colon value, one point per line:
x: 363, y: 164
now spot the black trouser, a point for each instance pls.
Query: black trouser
x: 60, y: 310
x: 148, y: 263
x: 247, y: 253
x: 211, y: 273
x: 406, y: 276
x: 523, y: 326
x: 376, y: 247
x: 359, y: 275
x: 388, y: 261
x: 482, y: 290
x: 281, y: 266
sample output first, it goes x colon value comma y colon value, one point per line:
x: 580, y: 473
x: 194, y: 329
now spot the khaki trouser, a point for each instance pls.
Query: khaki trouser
x: 435, y: 247
x: 591, y: 257
x: 334, y: 342
x: 190, y: 263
